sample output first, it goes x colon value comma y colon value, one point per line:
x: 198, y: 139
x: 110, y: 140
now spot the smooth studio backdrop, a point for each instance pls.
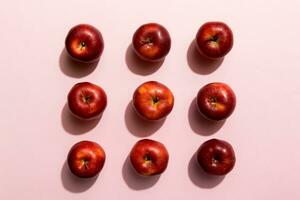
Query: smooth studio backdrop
x: 37, y: 131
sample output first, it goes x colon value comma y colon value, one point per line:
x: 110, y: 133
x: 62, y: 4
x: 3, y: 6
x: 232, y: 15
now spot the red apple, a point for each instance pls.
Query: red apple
x: 216, y: 101
x: 151, y: 42
x: 216, y: 157
x: 86, y: 159
x: 87, y: 100
x: 84, y: 43
x: 153, y: 100
x: 214, y: 40
x: 149, y: 157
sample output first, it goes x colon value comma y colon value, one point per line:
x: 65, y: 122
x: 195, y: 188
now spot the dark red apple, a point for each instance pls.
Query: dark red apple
x: 153, y: 100
x: 216, y: 101
x: 86, y: 159
x: 87, y: 100
x: 216, y: 157
x: 84, y: 43
x: 214, y: 40
x: 149, y: 157
x: 151, y: 42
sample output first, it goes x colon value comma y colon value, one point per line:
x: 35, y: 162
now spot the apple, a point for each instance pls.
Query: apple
x: 149, y: 157
x: 216, y: 157
x: 153, y: 100
x: 214, y: 40
x: 151, y: 42
x: 84, y: 43
x: 87, y: 100
x: 216, y: 101
x: 86, y: 159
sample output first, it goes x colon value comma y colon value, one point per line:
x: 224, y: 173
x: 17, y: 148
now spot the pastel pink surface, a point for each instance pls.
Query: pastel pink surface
x: 37, y: 130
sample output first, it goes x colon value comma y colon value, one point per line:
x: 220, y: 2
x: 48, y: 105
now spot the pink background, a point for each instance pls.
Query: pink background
x: 37, y: 131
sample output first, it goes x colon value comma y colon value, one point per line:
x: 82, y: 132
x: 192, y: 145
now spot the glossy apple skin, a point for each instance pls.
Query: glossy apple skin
x: 214, y: 40
x: 216, y: 157
x: 151, y: 42
x: 86, y: 159
x: 149, y: 157
x: 216, y: 101
x: 87, y: 101
x: 84, y: 43
x: 153, y: 100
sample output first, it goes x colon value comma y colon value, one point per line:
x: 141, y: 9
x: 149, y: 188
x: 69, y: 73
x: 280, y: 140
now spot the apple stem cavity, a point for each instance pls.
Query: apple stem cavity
x: 214, y: 38
x: 85, y: 163
x: 82, y: 45
x: 216, y: 159
x: 147, y: 157
x: 213, y: 100
x: 155, y: 99
x: 148, y: 41
x: 86, y: 99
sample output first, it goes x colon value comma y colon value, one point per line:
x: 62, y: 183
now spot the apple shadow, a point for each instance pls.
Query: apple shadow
x: 73, y: 183
x: 200, y: 64
x: 139, y: 126
x: 75, y: 126
x: 199, y: 177
x: 139, y: 66
x: 201, y: 125
x: 136, y: 181
x: 74, y: 68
